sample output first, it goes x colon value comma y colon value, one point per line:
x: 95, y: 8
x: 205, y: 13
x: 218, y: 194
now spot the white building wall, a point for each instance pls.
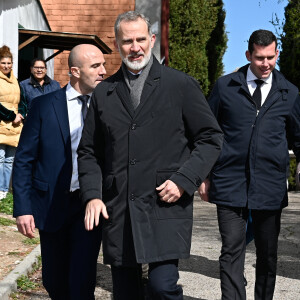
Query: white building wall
x: 28, y: 14
x: 9, y: 28
x: 152, y: 10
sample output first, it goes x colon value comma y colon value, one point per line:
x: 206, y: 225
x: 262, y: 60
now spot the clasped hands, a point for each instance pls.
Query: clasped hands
x: 18, y: 119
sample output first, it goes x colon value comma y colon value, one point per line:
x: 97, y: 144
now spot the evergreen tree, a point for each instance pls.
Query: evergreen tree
x: 289, y: 61
x: 192, y: 23
x: 216, y: 47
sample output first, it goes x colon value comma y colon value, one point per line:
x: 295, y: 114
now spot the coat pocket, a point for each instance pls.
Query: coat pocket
x: 40, y: 185
x: 181, y: 209
x: 109, y: 188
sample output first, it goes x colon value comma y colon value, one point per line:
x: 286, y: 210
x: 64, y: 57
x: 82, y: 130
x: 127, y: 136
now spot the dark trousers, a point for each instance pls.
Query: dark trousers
x: 232, y: 227
x: 162, y: 282
x: 69, y: 260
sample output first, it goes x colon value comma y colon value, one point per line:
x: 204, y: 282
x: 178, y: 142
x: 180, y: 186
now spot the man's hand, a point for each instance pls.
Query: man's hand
x: 169, y: 191
x: 18, y: 119
x: 26, y: 225
x: 93, y: 209
x: 203, y: 190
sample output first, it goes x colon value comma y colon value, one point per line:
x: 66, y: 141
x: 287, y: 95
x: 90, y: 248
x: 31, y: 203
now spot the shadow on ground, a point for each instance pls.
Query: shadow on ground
x: 200, y: 265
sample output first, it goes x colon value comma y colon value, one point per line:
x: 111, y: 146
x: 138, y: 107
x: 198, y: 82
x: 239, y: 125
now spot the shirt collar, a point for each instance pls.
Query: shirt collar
x: 72, y: 94
x: 135, y: 74
x: 35, y: 83
x: 252, y: 77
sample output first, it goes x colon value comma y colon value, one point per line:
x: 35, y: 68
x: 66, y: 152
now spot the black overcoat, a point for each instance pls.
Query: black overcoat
x: 124, y: 155
x: 253, y: 167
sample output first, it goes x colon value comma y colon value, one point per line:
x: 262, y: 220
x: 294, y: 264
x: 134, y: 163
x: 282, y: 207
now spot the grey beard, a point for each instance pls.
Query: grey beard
x: 137, y: 65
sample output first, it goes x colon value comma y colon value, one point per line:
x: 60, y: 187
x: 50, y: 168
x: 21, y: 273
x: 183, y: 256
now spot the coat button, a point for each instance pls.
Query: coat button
x: 132, y: 161
x: 133, y: 126
x: 132, y: 197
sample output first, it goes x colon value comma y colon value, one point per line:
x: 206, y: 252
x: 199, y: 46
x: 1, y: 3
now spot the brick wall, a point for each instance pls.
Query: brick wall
x: 87, y: 17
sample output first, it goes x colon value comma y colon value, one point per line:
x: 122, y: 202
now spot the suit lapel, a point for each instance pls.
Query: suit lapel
x: 277, y: 92
x: 61, y: 110
x: 124, y: 95
x: 150, y: 85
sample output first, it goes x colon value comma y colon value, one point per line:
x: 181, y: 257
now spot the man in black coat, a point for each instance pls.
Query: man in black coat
x: 259, y: 113
x: 148, y: 143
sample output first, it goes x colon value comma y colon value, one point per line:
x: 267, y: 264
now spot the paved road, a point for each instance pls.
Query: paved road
x: 199, y: 275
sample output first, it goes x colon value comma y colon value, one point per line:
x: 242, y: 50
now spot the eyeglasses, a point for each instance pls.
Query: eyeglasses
x: 39, y: 68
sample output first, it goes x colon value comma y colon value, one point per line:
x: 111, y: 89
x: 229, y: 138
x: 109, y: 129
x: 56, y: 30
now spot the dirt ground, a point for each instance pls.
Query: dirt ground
x: 12, y: 246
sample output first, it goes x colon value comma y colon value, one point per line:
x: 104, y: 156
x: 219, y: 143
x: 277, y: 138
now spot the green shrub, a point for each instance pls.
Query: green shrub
x: 291, y: 179
x: 6, y: 204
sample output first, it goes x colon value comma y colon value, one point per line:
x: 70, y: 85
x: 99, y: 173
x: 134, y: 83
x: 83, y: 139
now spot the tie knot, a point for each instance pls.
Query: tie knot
x: 84, y: 98
x: 132, y: 77
x: 259, y: 82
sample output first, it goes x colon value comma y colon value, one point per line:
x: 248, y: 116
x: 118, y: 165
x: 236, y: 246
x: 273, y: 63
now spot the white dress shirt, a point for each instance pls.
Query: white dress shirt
x: 265, y: 87
x: 76, y: 125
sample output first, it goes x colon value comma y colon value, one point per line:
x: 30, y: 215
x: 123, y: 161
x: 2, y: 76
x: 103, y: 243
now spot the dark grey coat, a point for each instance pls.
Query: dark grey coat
x: 172, y: 135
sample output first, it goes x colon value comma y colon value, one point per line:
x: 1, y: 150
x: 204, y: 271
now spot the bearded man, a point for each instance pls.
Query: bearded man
x: 149, y: 141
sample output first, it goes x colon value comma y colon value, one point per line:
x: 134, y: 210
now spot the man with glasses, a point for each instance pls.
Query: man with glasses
x: 39, y: 83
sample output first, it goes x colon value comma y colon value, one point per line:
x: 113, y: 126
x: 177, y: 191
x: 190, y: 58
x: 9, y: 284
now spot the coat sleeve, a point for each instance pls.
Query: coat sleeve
x: 294, y: 128
x: 204, y: 134
x: 90, y: 155
x: 24, y: 161
x: 22, y: 107
x: 6, y: 114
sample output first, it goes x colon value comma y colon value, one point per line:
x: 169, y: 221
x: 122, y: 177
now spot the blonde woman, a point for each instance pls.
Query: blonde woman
x: 12, y: 113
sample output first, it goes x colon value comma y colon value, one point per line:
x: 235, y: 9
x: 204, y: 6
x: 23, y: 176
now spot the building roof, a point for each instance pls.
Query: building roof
x: 58, y: 40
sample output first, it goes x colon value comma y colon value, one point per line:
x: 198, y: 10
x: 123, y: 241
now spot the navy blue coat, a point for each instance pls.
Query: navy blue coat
x: 43, y: 163
x: 253, y: 166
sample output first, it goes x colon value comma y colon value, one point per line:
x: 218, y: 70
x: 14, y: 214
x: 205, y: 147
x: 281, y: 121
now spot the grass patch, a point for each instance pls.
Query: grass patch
x: 37, y: 264
x: 14, y: 296
x: 34, y: 241
x: 14, y: 253
x: 24, y: 283
x: 6, y: 222
x: 6, y: 204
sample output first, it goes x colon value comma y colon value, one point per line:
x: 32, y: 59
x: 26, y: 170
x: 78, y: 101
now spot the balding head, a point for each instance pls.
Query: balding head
x: 86, y: 67
x: 78, y: 53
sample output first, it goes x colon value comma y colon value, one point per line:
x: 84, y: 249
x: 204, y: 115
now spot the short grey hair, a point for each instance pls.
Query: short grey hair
x: 131, y: 16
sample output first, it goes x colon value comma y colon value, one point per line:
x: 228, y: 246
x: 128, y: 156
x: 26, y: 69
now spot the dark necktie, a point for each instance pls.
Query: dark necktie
x: 257, y: 93
x: 84, y: 99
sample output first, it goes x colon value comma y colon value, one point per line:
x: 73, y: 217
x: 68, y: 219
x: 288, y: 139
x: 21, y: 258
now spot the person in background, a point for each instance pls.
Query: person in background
x: 149, y: 141
x: 45, y: 181
x: 12, y: 113
x: 259, y: 113
x: 39, y: 83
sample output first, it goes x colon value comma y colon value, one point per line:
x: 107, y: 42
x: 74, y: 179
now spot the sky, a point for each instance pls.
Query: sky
x: 242, y: 18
